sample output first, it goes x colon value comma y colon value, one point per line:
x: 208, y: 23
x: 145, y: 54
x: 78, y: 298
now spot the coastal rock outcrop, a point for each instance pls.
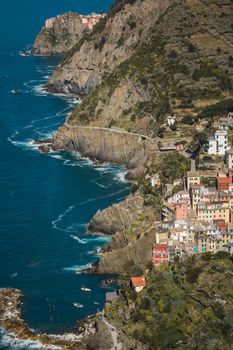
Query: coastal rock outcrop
x: 132, y: 224
x: 61, y: 33
x: 118, y: 217
x: 111, y: 42
x: 12, y: 322
x: 126, y: 250
x: 105, y: 145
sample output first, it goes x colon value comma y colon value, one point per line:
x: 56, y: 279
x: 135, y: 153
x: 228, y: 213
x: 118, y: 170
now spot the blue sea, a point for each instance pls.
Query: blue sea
x: 46, y: 201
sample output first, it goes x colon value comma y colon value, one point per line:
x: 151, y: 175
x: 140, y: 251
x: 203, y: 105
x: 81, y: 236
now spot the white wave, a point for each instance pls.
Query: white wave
x: 120, y: 177
x: 77, y: 268
x: 99, y: 184
x: 60, y: 217
x: 82, y: 241
x: 39, y: 90
x: 56, y: 156
x: 29, y: 144
x: 102, y: 239
x: 15, y: 274
x: 12, y: 341
x: 90, y: 200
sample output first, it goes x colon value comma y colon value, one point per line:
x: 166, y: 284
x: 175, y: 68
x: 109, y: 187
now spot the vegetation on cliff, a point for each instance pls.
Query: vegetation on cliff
x: 182, y: 66
x: 186, y: 306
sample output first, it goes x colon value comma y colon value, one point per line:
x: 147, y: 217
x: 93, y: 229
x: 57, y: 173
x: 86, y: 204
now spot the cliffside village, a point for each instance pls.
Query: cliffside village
x: 89, y: 21
x: 199, y: 218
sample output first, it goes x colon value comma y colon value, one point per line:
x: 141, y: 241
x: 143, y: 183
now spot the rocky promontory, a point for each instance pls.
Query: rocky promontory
x: 12, y: 322
x: 118, y: 217
x: 60, y: 33
x: 106, y: 145
x: 110, y: 43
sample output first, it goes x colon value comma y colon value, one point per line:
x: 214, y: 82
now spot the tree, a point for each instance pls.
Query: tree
x: 201, y: 138
x: 188, y: 120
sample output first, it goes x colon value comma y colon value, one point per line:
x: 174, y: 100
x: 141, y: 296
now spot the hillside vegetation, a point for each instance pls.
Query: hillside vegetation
x: 183, y: 65
x: 187, y: 306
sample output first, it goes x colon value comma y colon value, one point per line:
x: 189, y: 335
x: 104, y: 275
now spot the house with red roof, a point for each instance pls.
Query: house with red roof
x: 138, y: 283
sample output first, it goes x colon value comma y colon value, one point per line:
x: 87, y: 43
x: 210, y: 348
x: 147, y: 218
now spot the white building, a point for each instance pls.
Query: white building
x: 171, y: 120
x: 219, y: 144
x: 155, y: 180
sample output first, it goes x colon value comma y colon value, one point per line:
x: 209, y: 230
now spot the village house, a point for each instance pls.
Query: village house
x: 179, y: 197
x: 168, y: 212
x: 228, y: 247
x: 138, y: 283
x: 155, y: 180
x: 213, y: 211
x: 180, y: 145
x: 201, y: 194
x: 193, y: 178
x: 222, y: 183
x: 229, y: 159
x: 160, y: 254
x: 218, y: 145
x: 181, y: 211
x: 209, y: 244
x: 171, y: 120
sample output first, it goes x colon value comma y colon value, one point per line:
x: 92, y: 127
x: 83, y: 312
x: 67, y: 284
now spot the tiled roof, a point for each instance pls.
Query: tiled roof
x: 138, y: 281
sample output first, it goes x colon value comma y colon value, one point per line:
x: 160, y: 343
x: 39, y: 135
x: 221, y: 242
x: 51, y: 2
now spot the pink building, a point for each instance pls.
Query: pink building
x: 160, y: 254
x: 181, y: 211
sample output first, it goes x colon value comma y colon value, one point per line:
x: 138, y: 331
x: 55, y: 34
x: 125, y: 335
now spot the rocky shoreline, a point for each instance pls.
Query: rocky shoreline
x: 12, y: 322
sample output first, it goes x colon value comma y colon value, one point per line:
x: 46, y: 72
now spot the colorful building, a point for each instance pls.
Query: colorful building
x: 181, y: 211
x: 213, y: 211
x: 160, y: 254
x: 222, y: 183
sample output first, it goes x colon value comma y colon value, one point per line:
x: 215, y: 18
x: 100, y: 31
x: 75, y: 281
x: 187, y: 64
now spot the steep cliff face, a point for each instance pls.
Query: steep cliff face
x: 59, y: 34
x: 182, y: 65
x: 118, y: 217
x: 133, y: 225
x: 105, y: 145
x: 124, y: 251
x: 112, y: 41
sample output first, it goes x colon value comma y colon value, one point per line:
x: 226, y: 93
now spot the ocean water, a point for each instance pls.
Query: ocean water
x: 45, y: 201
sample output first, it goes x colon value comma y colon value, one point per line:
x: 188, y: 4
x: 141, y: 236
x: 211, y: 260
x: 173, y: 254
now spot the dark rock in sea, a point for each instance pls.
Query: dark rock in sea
x: 42, y: 142
x: 44, y: 149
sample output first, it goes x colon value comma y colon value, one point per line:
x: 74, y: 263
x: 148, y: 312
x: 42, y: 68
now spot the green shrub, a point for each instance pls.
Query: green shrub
x: 193, y: 274
x: 188, y: 120
x: 219, y: 108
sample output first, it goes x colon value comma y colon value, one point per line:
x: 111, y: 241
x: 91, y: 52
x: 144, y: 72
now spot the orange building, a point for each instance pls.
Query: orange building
x: 181, y: 211
x: 222, y: 183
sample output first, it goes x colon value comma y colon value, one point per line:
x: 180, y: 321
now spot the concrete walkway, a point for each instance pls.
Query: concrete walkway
x: 116, y: 131
x: 116, y: 345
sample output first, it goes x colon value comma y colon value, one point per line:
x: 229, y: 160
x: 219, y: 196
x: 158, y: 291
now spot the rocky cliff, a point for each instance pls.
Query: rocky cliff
x: 118, y: 217
x: 181, y: 63
x: 133, y: 225
x: 61, y: 33
x: 105, y: 145
x: 18, y: 331
x: 112, y: 41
